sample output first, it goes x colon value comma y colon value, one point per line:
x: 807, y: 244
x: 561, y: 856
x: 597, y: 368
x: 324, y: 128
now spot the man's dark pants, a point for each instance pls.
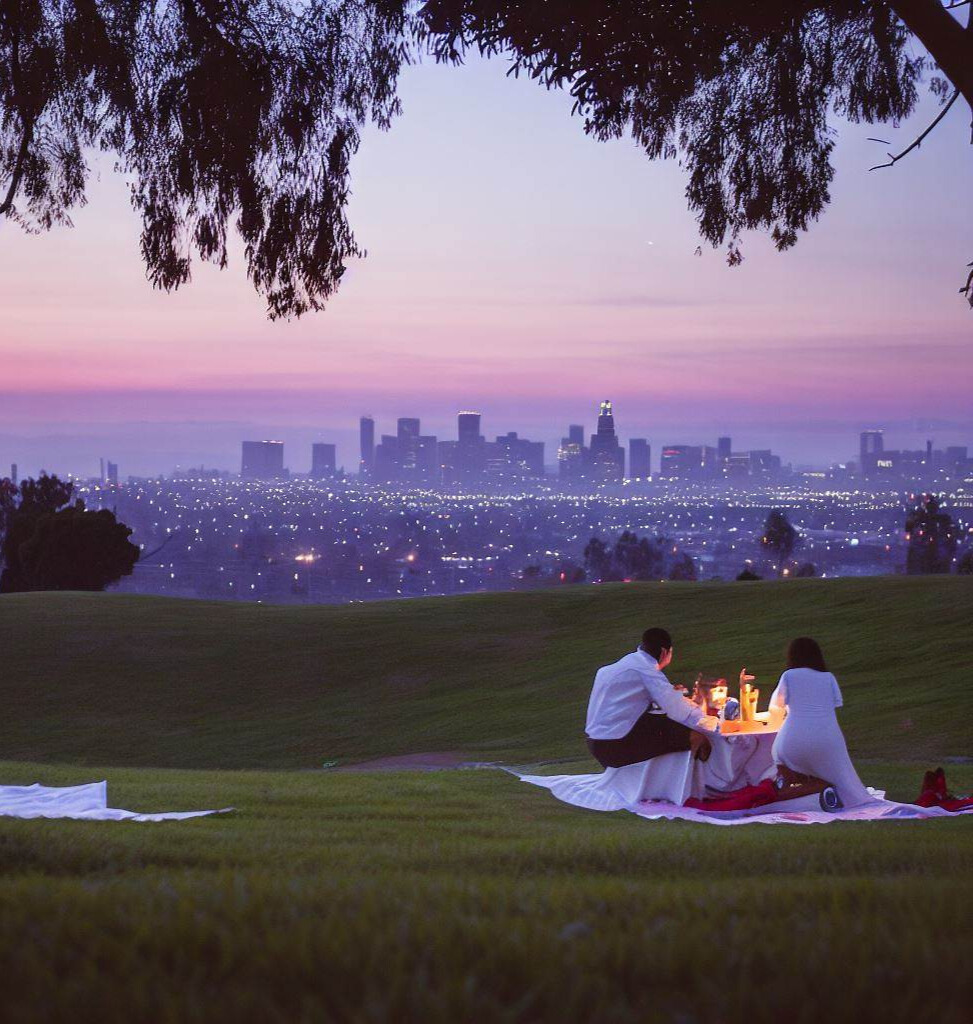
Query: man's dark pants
x: 652, y: 735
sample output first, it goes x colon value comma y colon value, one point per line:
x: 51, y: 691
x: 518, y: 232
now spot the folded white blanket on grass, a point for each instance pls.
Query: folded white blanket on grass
x: 601, y: 793
x: 88, y: 802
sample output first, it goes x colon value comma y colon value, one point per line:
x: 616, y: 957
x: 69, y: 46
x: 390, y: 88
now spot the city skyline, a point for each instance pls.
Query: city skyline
x: 604, y: 456
x: 596, y: 292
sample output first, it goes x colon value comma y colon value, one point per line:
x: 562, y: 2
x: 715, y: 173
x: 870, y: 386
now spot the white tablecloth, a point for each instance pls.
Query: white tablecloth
x: 737, y: 760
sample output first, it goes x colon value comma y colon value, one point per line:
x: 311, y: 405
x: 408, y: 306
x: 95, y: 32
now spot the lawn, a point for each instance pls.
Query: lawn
x: 464, y: 896
x: 469, y: 896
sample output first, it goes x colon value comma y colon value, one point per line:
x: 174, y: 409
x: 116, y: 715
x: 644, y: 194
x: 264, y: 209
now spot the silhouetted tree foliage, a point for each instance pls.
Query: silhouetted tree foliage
x: 683, y: 568
x: 806, y: 570
x: 48, y: 544
x: 247, y: 114
x: 932, y: 538
x: 74, y: 549
x: 779, y: 537
x: 965, y: 565
x: 630, y: 558
x: 749, y: 574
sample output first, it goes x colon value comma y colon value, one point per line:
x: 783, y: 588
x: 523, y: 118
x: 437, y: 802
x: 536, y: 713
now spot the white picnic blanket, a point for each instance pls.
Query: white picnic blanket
x: 88, y: 802
x: 618, y: 789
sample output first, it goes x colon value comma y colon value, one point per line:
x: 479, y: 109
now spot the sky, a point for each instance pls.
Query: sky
x: 519, y: 268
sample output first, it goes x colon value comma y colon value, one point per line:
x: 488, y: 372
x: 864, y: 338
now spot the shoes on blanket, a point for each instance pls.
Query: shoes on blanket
x: 935, y: 794
x: 738, y: 800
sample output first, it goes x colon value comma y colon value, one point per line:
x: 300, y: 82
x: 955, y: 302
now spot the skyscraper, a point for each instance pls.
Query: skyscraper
x: 872, y: 442
x: 576, y: 434
x: 322, y: 461
x: 262, y: 460
x: 606, y: 457
x: 724, y: 449
x: 111, y: 473
x: 468, y: 425
x: 408, y: 438
x: 470, y: 453
x: 639, y: 458
x: 871, y: 445
x: 366, y: 436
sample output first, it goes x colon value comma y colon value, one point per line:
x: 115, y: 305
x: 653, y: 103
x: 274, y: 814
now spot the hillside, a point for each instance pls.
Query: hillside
x: 110, y: 679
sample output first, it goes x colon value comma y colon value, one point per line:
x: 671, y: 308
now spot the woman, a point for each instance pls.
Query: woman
x: 810, y: 741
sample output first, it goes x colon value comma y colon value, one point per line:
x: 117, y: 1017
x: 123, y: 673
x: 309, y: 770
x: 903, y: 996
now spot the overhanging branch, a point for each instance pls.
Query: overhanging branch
x: 895, y: 158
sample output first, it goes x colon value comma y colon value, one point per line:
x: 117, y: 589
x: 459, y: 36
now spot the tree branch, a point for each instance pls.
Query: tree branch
x: 894, y: 159
x: 943, y: 36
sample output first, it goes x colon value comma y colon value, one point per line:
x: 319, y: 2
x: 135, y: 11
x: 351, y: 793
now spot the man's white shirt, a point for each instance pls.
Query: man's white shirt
x: 624, y: 691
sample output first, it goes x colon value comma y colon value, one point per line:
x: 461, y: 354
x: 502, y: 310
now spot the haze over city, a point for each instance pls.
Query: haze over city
x: 516, y: 267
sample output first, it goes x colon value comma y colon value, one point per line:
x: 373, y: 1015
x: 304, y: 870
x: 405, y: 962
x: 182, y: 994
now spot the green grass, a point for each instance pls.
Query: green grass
x: 187, y: 684
x: 464, y: 896
x: 469, y: 896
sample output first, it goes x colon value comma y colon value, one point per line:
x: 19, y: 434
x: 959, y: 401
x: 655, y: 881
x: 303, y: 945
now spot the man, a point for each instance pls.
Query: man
x: 635, y: 713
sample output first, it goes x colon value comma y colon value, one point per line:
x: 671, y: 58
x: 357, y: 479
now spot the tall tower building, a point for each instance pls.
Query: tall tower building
x: 576, y: 434
x: 606, y: 457
x: 724, y: 449
x: 366, y: 437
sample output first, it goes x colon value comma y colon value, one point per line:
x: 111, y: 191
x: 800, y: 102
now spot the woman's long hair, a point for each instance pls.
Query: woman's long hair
x: 803, y: 652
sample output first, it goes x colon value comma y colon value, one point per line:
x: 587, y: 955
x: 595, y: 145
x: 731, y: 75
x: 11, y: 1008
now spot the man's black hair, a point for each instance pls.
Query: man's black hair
x: 655, y: 641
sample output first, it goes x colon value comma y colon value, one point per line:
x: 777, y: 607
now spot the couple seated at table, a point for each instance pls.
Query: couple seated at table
x: 636, y: 714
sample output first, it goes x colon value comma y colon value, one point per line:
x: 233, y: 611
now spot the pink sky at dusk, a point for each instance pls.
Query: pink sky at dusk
x: 518, y: 267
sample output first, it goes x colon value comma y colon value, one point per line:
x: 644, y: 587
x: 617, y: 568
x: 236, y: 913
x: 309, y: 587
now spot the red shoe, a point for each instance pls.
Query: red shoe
x: 739, y: 800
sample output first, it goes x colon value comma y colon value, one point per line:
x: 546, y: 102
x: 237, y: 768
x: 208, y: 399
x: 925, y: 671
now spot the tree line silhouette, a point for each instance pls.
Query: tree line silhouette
x: 49, y: 543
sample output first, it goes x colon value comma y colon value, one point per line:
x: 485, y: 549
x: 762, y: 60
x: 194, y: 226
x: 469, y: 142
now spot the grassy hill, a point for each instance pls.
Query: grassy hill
x: 456, y: 896
x: 123, y: 680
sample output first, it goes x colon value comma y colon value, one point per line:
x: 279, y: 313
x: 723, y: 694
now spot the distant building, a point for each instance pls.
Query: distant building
x: 366, y: 440
x: 470, y: 453
x: 262, y: 460
x: 871, y: 444
x: 639, y: 458
x: 407, y: 435
x: 515, y: 458
x: 322, y: 461
x: 428, y: 469
x: 606, y: 457
x: 570, y: 460
x: 724, y: 449
x: 387, y: 466
x: 764, y: 463
x: 681, y: 461
x: 13, y: 472
x: 111, y: 473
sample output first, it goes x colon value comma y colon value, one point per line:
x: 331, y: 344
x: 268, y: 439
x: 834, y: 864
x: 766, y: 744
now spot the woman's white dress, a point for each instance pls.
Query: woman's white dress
x: 810, y: 741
